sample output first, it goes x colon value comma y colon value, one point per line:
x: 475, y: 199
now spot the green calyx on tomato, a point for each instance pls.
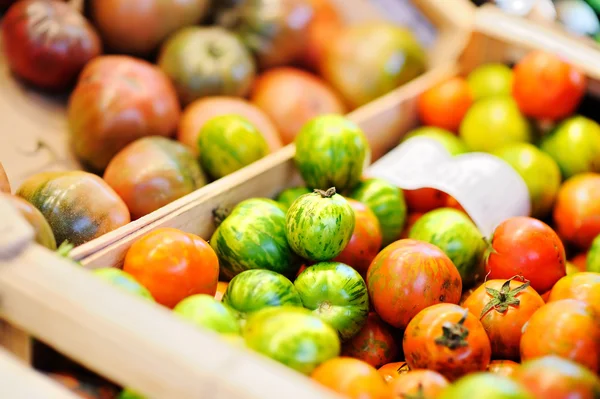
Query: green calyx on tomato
x: 454, y: 335
x: 503, y: 298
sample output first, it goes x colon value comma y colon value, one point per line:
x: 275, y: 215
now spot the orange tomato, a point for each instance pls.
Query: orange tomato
x: 392, y: 370
x: 173, y: 265
x: 424, y: 199
x: 584, y: 286
x: 374, y: 343
x: 579, y: 261
x: 445, y: 104
x: 451, y: 202
x: 546, y: 87
x: 503, y: 367
x: 418, y: 384
x: 352, y: 378
x: 411, y: 219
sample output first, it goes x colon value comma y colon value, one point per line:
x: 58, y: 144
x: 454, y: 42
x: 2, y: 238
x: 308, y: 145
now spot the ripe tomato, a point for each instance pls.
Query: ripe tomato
x: 418, y: 383
x: 424, y: 199
x: 579, y: 261
x: 351, y: 378
x: 448, y: 339
x: 373, y: 344
x: 451, y: 202
x: 527, y: 247
x: 366, y: 239
x: 503, y: 367
x: 577, y: 209
x: 173, y: 265
x: 557, y: 378
x: 545, y: 87
x: 392, y: 370
x: 485, y: 385
x: 411, y: 219
x: 584, y: 286
x: 568, y: 328
x: 408, y: 276
x: 503, y: 307
x: 445, y: 104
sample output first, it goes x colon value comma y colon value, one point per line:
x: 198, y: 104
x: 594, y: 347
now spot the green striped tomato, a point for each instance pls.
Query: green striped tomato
x: 289, y: 195
x: 387, y: 203
x: 253, y: 290
x: 227, y: 143
x: 124, y: 281
x: 292, y: 336
x: 319, y: 225
x: 253, y: 237
x: 337, y: 294
x: 331, y: 152
x: 204, y: 311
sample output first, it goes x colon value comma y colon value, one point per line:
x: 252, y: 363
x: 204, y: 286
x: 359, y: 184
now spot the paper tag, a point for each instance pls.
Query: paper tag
x: 488, y: 188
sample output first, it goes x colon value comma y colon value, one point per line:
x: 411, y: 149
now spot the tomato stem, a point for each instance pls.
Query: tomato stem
x: 503, y: 298
x: 330, y: 192
x: 454, y: 335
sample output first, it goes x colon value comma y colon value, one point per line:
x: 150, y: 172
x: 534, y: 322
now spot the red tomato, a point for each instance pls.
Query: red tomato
x: 546, y: 87
x: 411, y: 219
x: 527, y: 247
x: 568, y: 328
x: 366, y: 239
x: 448, y: 339
x: 579, y: 261
x: 373, y: 344
x: 584, y: 286
x: 418, y: 384
x: 393, y: 370
x: 173, y: 265
x: 577, y: 209
x: 408, y: 276
x: 503, y: 307
x: 424, y: 199
x: 546, y: 296
x: 445, y: 104
x: 503, y: 367
x: 451, y: 202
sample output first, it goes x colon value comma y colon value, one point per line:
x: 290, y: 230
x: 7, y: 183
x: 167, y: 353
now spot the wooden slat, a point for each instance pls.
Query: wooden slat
x: 15, y: 340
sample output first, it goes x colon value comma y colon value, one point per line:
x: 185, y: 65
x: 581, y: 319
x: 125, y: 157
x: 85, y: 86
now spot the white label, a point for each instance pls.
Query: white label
x: 488, y: 188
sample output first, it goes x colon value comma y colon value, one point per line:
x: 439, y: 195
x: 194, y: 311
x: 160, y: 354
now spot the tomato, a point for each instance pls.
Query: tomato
x: 454, y: 233
x: 440, y: 334
x: 392, y: 370
x: 117, y: 100
x: 221, y: 288
x: 173, y: 265
x: 584, y: 286
x: 325, y: 24
x: 206, y: 61
x: 579, y: 262
x: 78, y: 206
x: 351, y: 378
x: 411, y: 219
x: 503, y: 307
x: 205, y: 312
x: 557, y: 378
x: 152, y: 172
x: 293, y: 336
x: 374, y: 343
x: 546, y: 296
x: 490, y: 79
x: 337, y: 294
x: 592, y: 258
x: 292, y: 97
x: 445, y: 104
x: 319, y: 225
x: 408, y: 276
x: 365, y: 241
x: 124, y: 281
x: 425, y: 199
x: 418, y: 383
x: 567, y: 328
x: 84, y: 388
x: 503, y: 367
x: 289, y: 195
x: 227, y: 143
x: 331, y: 151
x: 527, y: 247
x: 43, y: 232
x: 485, y: 385
x: 577, y: 209
x: 253, y: 290
x: 199, y: 112
x: 451, y: 202
x: 4, y: 183
x: 546, y: 87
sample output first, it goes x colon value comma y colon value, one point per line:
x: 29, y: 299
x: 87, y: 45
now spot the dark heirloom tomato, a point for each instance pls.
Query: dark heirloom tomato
x: 374, y: 343
x: 448, y: 339
x: 117, y: 100
x: 558, y: 378
x: 503, y: 367
x: 47, y: 43
x: 527, y: 247
x: 568, y: 328
x: 584, y: 286
x: 43, y: 232
x: 78, y: 206
x: 4, y: 183
x: 138, y: 27
x: 418, y: 384
x: 152, y: 172
x: 392, y: 370
x: 408, y: 276
x: 503, y: 307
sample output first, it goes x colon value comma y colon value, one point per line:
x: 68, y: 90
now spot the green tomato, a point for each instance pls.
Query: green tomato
x: 493, y: 122
x: 575, y: 146
x: 205, y: 311
x: 289, y: 195
x: 454, y: 233
x: 292, y: 336
x: 253, y: 290
x: 331, y: 152
x: 129, y: 394
x: 453, y: 144
x: 124, y: 281
x: 491, y: 79
x: 485, y: 385
x: 227, y: 143
x: 592, y: 262
x: 337, y: 294
x: 539, y: 171
x: 319, y: 225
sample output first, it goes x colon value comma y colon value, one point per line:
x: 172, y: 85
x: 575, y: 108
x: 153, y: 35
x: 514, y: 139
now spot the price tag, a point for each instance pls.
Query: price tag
x: 488, y: 188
